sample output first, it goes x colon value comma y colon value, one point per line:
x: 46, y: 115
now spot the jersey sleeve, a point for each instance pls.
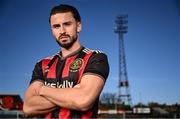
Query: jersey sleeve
x: 37, y: 74
x: 98, y: 65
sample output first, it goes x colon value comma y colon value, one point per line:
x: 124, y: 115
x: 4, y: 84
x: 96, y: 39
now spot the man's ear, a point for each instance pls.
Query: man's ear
x: 79, y: 27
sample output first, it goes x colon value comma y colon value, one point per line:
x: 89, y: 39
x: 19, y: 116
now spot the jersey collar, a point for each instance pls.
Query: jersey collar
x: 72, y: 54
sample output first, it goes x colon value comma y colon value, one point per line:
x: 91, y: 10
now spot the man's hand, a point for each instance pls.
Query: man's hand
x: 37, y: 89
x: 34, y: 104
x: 77, y: 86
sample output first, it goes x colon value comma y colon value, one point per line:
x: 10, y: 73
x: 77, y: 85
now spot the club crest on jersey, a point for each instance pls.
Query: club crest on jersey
x: 76, y: 65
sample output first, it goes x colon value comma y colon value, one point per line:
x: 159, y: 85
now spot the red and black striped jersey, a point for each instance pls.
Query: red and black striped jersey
x: 58, y: 72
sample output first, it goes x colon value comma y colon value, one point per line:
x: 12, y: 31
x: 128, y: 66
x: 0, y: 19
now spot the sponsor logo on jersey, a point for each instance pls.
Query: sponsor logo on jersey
x: 64, y: 84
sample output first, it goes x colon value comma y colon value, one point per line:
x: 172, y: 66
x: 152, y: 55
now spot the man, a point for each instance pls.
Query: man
x: 68, y: 84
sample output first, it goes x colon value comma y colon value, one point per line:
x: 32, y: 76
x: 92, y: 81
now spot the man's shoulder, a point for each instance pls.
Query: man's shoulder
x: 46, y: 59
x: 87, y: 51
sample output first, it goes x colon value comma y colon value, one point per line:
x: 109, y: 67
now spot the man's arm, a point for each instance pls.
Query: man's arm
x: 79, y: 98
x: 35, y: 104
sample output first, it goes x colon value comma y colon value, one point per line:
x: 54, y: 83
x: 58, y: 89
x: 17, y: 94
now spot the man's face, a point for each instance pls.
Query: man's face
x: 65, y: 29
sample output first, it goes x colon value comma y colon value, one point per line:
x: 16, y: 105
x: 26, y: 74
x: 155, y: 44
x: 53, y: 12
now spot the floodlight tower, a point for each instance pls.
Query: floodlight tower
x: 124, y: 96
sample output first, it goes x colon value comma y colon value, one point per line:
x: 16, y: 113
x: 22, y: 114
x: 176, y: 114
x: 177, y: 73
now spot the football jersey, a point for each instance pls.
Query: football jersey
x: 58, y: 72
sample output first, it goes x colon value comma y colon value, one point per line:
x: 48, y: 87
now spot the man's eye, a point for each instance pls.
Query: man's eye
x: 56, y: 26
x: 67, y: 24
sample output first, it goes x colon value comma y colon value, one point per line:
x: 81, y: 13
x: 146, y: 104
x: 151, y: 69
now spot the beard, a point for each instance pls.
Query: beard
x: 67, y: 44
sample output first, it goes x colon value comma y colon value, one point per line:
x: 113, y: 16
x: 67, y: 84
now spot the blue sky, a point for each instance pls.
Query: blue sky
x: 151, y: 44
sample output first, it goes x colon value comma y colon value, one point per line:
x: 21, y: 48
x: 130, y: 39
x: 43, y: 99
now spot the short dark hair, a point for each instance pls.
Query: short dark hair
x: 62, y: 8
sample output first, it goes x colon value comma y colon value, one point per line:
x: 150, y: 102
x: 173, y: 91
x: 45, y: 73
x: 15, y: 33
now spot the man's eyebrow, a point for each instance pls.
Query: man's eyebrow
x: 57, y: 25
x: 67, y: 22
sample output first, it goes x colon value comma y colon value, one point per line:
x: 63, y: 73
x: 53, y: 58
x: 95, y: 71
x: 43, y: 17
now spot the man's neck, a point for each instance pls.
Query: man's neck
x: 66, y: 52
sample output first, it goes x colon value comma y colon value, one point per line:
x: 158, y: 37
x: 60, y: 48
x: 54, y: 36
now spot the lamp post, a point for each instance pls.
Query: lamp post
x: 124, y: 96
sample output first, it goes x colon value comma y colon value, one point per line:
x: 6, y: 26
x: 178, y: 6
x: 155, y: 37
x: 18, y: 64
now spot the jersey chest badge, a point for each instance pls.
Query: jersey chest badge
x: 76, y: 65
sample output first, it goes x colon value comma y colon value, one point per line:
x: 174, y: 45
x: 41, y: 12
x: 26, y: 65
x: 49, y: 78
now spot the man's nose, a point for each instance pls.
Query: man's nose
x: 62, y: 29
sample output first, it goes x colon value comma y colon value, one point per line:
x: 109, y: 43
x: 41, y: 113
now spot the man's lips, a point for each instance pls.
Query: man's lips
x: 63, y: 37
